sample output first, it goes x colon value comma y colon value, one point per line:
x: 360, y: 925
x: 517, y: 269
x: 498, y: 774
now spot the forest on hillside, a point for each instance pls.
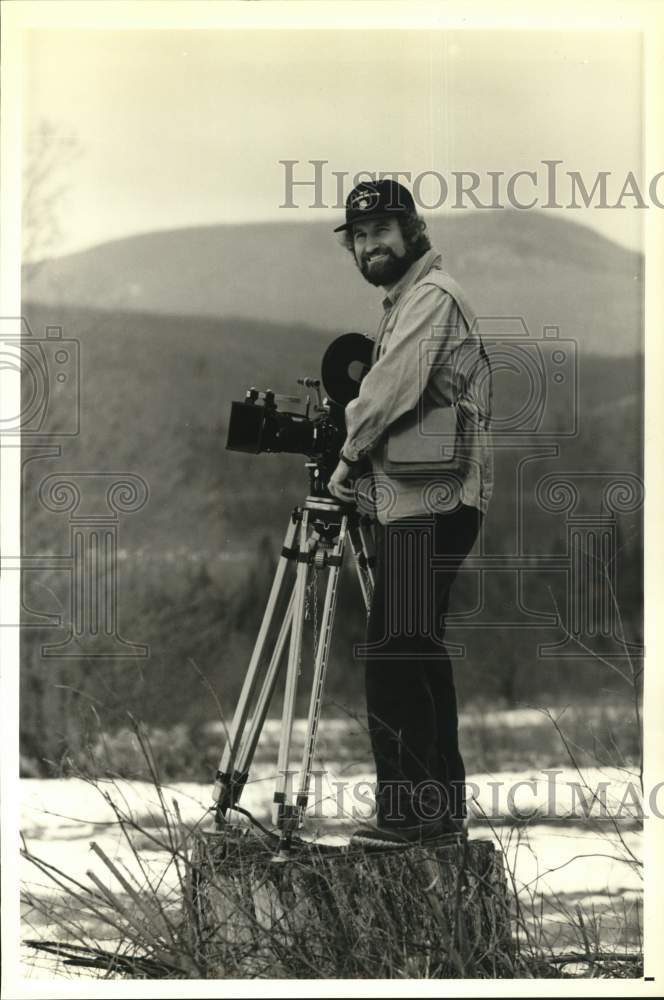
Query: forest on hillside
x: 195, y: 561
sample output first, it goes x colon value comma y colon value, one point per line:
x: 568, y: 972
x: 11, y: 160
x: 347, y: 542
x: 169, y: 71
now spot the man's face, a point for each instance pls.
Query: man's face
x: 380, y: 251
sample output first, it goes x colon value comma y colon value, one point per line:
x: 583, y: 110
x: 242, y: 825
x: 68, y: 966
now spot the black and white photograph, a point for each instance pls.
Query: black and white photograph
x: 331, y: 491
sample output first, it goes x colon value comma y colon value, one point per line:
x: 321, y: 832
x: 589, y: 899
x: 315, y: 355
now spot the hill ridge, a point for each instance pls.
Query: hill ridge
x: 548, y: 270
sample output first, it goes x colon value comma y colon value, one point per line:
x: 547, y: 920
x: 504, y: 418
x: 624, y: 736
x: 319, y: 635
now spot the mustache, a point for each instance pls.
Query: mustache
x: 383, y: 252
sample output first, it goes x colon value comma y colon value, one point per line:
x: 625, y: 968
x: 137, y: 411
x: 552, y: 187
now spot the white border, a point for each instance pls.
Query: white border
x: 368, y: 16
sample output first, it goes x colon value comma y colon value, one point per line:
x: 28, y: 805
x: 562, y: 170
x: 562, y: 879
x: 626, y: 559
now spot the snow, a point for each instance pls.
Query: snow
x: 554, y: 864
x: 59, y: 818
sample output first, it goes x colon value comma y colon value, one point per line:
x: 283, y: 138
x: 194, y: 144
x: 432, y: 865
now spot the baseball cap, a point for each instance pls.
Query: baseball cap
x: 373, y: 198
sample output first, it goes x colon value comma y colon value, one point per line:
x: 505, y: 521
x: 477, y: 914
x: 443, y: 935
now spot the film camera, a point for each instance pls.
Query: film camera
x: 258, y: 424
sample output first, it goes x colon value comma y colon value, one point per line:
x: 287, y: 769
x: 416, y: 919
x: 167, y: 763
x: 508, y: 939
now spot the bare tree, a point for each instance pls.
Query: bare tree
x: 49, y: 151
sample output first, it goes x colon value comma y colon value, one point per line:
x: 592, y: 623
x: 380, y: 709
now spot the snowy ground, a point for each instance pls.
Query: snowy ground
x: 559, y: 859
x: 571, y: 839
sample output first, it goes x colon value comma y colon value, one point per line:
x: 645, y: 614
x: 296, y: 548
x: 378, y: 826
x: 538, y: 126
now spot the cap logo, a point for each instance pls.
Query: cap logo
x: 364, y: 200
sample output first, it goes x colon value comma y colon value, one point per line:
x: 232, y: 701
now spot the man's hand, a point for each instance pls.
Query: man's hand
x: 338, y: 483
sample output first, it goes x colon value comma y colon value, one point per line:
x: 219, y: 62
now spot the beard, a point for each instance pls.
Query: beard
x: 388, y: 269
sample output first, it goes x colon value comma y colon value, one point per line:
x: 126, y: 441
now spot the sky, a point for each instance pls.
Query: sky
x: 188, y: 127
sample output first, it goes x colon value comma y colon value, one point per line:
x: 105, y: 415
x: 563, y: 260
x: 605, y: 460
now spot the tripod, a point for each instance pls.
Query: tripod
x: 315, y: 539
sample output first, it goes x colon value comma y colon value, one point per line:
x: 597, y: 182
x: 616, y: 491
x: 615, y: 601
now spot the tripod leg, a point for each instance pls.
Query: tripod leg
x: 320, y: 668
x: 227, y: 777
x: 364, y: 562
x: 252, y: 735
x: 284, y: 809
x: 368, y: 557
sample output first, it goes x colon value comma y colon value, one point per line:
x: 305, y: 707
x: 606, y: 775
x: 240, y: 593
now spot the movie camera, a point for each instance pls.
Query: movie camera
x: 259, y: 423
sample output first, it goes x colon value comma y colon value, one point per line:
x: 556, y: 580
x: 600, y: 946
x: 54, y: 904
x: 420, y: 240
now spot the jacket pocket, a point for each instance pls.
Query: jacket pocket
x: 426, y: 439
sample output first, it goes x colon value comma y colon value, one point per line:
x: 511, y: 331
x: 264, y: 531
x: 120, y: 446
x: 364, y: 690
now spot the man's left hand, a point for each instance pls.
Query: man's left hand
x: 338, y: 485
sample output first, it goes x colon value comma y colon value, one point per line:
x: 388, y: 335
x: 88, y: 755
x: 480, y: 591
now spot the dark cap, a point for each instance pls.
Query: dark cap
x: 374, y: 198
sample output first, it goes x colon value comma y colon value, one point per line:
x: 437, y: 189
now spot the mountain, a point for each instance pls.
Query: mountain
x: 545, y: 269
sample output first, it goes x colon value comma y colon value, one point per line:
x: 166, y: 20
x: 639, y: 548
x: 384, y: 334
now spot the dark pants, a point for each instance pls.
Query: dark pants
x: 411, y: 701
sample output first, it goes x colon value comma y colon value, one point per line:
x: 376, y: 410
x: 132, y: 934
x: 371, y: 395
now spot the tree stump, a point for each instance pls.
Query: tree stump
x: 340, y: 913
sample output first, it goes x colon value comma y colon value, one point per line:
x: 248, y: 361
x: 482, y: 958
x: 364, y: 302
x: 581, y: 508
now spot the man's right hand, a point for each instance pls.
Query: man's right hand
x: 338, y: 484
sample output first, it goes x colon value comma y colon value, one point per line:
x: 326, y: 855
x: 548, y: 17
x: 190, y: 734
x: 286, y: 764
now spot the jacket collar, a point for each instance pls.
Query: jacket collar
x: 422, y: 266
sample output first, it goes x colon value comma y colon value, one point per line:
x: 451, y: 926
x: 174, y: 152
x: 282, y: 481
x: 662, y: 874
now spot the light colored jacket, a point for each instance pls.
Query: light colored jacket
x: 427, y: 354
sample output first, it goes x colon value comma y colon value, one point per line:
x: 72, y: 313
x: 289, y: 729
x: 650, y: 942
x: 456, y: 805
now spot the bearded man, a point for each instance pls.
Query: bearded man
x: 428, y: 365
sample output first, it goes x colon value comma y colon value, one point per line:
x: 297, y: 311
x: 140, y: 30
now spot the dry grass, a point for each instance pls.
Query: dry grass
x: 202, y: 913
x: 228, y: 911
